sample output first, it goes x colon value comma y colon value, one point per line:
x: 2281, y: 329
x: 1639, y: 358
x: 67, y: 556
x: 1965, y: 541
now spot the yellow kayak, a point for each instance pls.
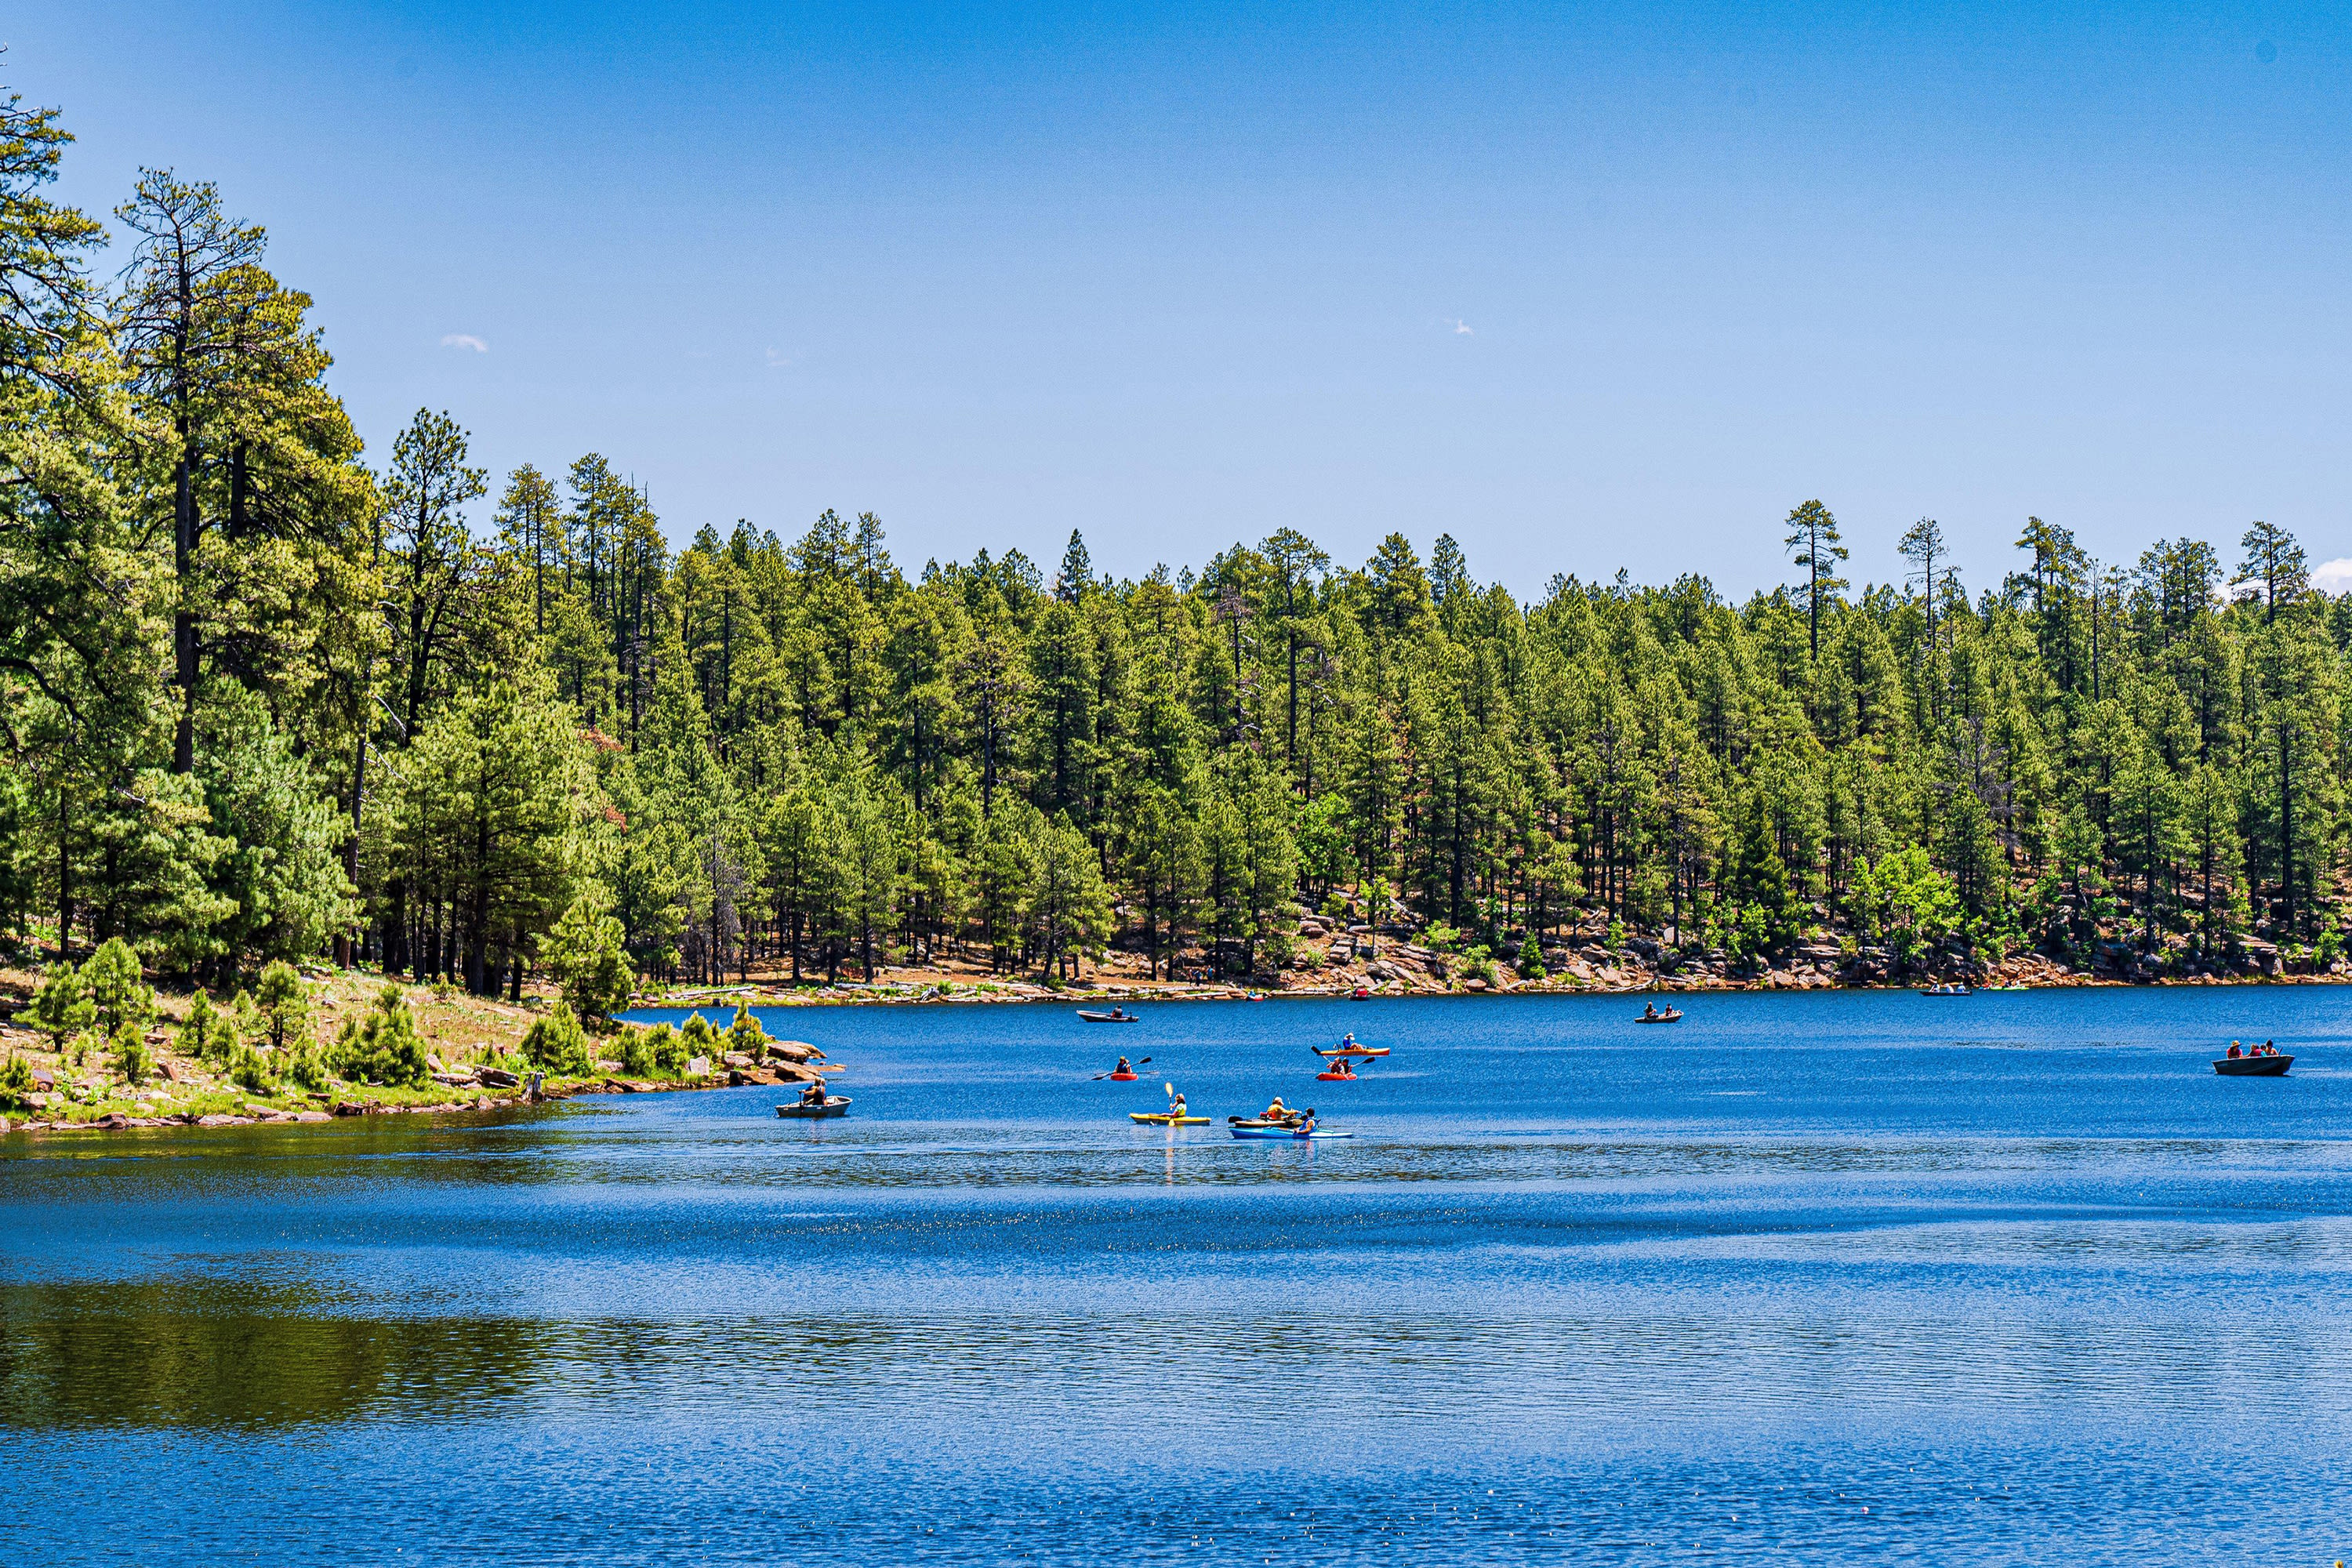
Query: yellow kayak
x: 1161, y: 1119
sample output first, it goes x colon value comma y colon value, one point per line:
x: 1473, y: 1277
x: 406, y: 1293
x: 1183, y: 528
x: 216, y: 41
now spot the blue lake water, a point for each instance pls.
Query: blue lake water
x: 1828, y: 1278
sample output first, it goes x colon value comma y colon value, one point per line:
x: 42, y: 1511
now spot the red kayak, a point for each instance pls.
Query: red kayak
x: 1122, y: 1078
x: 1335, y: 1078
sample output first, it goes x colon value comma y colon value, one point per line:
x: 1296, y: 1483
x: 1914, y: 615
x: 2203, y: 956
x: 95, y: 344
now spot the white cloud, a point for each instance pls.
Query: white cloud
x: 465, y: 341
x: 1462, y: 329
x: 778, y: 360
x: 2333, y: 576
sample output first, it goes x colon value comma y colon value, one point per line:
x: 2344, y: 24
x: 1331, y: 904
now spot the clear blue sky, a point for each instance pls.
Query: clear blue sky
x: 1587, y: 287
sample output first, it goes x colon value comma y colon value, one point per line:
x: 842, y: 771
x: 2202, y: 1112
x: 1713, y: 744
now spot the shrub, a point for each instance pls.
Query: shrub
x: 697, y: 1036
x: 557, y: 1043
x: 384, y: 1046
x: 131, y: 1056
x: 670, y: 1050
x: 585, y: 954
x: 62, y: 1007
x: 205, y: 1034
x: 248, y: 1068
x: 285, y: 1004
x: 638, y: 1051
x: 1439, y: 937
x: 1478, y: 962
x: 306, y: 1068
x: 1531, y: 964
x: 16, y: 1081
x: 746, y: 1034
x: 121, y: 996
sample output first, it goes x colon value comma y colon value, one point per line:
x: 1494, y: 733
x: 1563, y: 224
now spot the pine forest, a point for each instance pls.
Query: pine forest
x: 268, y: 694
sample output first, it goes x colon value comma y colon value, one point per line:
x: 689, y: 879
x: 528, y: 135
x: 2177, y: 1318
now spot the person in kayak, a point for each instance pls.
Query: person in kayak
x: 1176, y: 1106
x: 1278, y: 1112
x: 1122, y: 1066
x: 1348, y: 1040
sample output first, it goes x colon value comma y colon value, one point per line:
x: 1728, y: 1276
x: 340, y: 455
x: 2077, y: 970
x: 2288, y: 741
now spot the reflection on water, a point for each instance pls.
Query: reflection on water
x: 212, y: 1353
x: 1830, y: 1289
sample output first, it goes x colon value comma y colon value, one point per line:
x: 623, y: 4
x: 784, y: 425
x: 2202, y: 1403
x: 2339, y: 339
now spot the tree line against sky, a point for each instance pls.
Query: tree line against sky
x: 262, y: 701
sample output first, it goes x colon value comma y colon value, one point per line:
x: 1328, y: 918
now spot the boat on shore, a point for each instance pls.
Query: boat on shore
x: 2253, y: 1067
x: 1948, y: 988
x: 835, y: 1105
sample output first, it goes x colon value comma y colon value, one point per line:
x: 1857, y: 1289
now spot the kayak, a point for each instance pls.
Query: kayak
x: 1116, y: 1016
x: 1350, y: 1050
x: 1122, y: 1078
x: 2253, y: 1067
x: 1284, y: 1133
x: 1161, y: 1119
x: 835, y: 1105
x: 1335, y: 1078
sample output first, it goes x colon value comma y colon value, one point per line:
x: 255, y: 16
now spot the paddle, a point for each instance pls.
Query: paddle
x: 1144, y: 1063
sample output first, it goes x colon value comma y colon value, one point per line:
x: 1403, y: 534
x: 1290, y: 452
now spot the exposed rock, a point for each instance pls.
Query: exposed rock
x: 312, y: 1116
x: 455, y: 1079
x: 498, y: 1078
x: 737, y: 1060
x: 350, y: 1108
x: 793, y: 1050
x: 698, y: 1066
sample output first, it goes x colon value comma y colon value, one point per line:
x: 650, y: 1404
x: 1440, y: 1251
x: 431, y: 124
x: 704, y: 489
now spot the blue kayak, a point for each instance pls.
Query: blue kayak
x: 1284, y: 1133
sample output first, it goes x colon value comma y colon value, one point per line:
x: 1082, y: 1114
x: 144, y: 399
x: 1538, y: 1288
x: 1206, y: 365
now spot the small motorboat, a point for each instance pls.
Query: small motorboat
x: 2253, y: 1067
x: 1349, y: 1050
x: 1948, y: 988
x: 1671, y: 1015
x: 1116, y: 1016
x: 1262, y: 1131
x: 1163, y: 1118
x: 835, y: 1105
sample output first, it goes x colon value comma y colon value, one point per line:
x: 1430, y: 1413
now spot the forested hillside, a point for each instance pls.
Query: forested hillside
x: 267, y: 691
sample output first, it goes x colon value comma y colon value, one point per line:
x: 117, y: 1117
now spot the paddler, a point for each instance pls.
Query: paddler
x: 1122, y: 1067
x: 1176, y: 1106
x: 1277, y: 1112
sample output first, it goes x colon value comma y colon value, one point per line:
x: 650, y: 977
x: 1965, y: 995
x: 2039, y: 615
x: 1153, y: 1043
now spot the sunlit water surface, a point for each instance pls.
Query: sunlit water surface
x: 1827, y: 1278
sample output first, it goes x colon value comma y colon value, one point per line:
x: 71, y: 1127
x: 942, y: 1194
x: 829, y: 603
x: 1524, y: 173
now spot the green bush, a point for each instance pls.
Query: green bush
x: 248, y: 1068
x: 205, y: 1034
x: 306, y: 1069
x: 1531, y: 964
x: 113, y: 979
x: 697, y: 1038
x: 557, y: 1043
x: 62, y: 1007
x: 382, y: 1047
x: 746, y: 1034
x: 285, y: 1004
x: 585, y: 954
x: 1439, y: 937
x: 131, y: 1056
x: 15, y: 1082
x: 670, y: 1047
x: 638, y: 1051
